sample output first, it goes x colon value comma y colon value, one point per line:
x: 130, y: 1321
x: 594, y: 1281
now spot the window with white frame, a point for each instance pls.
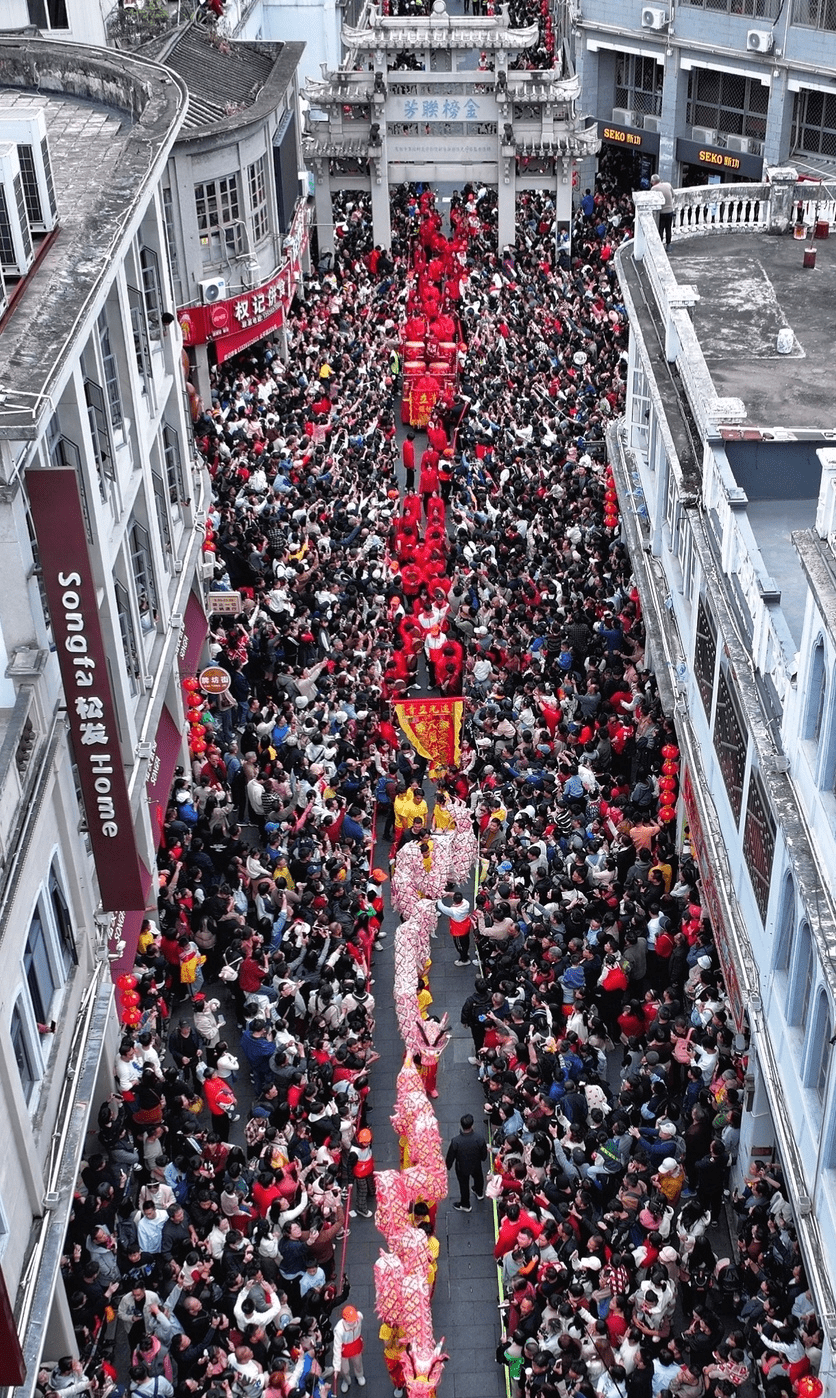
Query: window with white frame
x: 173, y: 458
x: 127, y: 631
x: 99, y: 421
x: 818, y: 1052
x: 63, y: 451
x: 258, y: 199
x: 171, y: 242
x: 785, y: 928
x: 142, y: 348
x: 63, y: 921
x: 48, y: 14
x: 41, y: 968
x: 25, y: 1047
x: 48, y: 957
x: 142, y: 572
x: 149, y: 266
x: 639, y: 412
x: 798, y: 1003
x: 162, y: 507
x: 816, y: 693
x: 111, y: 373
x: 218, y: 209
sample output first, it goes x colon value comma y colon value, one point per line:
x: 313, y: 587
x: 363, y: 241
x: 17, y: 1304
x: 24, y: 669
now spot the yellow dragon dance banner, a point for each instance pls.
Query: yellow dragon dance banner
x: 433, y: 726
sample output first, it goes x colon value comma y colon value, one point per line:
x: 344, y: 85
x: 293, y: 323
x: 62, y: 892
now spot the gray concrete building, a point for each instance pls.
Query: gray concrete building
x: 709, y: 89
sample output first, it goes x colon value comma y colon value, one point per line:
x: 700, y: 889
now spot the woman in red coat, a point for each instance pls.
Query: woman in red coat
x: 220, y: 1099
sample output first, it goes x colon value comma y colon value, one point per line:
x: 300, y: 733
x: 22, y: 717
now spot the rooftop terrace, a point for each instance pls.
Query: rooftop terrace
x: 110, y: 120
x: 750, y: 288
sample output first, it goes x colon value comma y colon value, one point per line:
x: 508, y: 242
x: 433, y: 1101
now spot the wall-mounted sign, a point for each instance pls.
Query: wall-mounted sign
x: 74, y: 612
x: 419, y: 148
x: 729, y: 162
x: 629, y: 137
x: 224, y: 603
x: 242, y: 320
x: 214, y: 680
x: 441, y: 109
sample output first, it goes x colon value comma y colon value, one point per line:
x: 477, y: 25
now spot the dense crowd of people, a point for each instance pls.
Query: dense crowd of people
x: 208, y: 1223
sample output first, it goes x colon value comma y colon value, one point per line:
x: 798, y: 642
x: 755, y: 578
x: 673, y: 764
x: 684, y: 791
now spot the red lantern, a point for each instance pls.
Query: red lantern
x: 191, y: 684
x: 198, y: 748
x: 670, y: 750
x: 195, y: 701
x: 809, y: 1387
x: 667, y: 814
x: 126, y: 981
x: 667, y: 783
x: 208, y: 546
x: 131, y: 1017
x: 611, y: 493
x: 129, y: 999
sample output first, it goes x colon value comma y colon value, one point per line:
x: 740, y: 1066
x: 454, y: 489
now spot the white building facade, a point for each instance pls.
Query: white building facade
x: 101, y: 505
x: 728, y: 505
x: 233, y: 199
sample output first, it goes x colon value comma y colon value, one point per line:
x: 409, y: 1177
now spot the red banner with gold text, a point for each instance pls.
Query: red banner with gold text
x: 433, y: 726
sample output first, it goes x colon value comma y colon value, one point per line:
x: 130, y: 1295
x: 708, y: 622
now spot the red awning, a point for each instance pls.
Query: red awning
x: 169, y: 746
x: 194, y: 636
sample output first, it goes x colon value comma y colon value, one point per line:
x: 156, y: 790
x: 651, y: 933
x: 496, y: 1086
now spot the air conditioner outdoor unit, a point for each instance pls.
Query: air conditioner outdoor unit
x: 755, y: 147
x: 740, y: 143
x: 703, y: 135
x: 653, y: 18
x: 652, y: 123
x: 212, y: 290
x: 623, y: 116
x: 207, y: 570
x: 16, y: 253
x: 28, y: 131
x: 760, y: 40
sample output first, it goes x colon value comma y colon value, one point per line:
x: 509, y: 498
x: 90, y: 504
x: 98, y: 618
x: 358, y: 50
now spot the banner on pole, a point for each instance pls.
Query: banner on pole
x: 433, y: 726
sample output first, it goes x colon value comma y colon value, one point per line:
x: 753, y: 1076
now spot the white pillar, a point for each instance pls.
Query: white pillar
x: 323, y: 206
x: 381, y: 218
x: 507, y: 196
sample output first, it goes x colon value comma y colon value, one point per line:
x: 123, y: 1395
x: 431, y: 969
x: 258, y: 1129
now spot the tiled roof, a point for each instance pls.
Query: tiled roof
x: 218, y: 78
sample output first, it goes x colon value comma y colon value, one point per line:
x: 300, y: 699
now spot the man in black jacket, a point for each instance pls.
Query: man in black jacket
x: 467, y: 1152
x: 474, y: 1014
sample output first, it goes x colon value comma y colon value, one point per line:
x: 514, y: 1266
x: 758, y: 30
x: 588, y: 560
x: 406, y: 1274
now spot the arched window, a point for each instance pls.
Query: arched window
x: 816, y: 692
x: 785, y: 926
x: 798, y: 1002
x: 819, y: 1050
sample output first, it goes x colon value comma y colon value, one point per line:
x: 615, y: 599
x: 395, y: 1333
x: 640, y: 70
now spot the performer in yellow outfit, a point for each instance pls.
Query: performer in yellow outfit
x: 393, y: 1339
x: 409, y: 805
x: 442, y: 817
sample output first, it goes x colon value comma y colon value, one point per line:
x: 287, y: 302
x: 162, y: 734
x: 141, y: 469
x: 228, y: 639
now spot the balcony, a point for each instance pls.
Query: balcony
x: 745, y: 420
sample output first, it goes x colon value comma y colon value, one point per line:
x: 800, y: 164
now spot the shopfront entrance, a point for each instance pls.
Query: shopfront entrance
x: 628, y: 156
x: 698, y: 162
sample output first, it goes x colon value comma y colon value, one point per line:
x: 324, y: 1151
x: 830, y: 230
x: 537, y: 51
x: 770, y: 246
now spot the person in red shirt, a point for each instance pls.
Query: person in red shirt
x: 428, y: 483
x: 220, y: 1100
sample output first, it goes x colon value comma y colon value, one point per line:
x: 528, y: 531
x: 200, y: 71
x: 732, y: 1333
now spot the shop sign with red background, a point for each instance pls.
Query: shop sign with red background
x: 74, y: 612
x: 239, y: 321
